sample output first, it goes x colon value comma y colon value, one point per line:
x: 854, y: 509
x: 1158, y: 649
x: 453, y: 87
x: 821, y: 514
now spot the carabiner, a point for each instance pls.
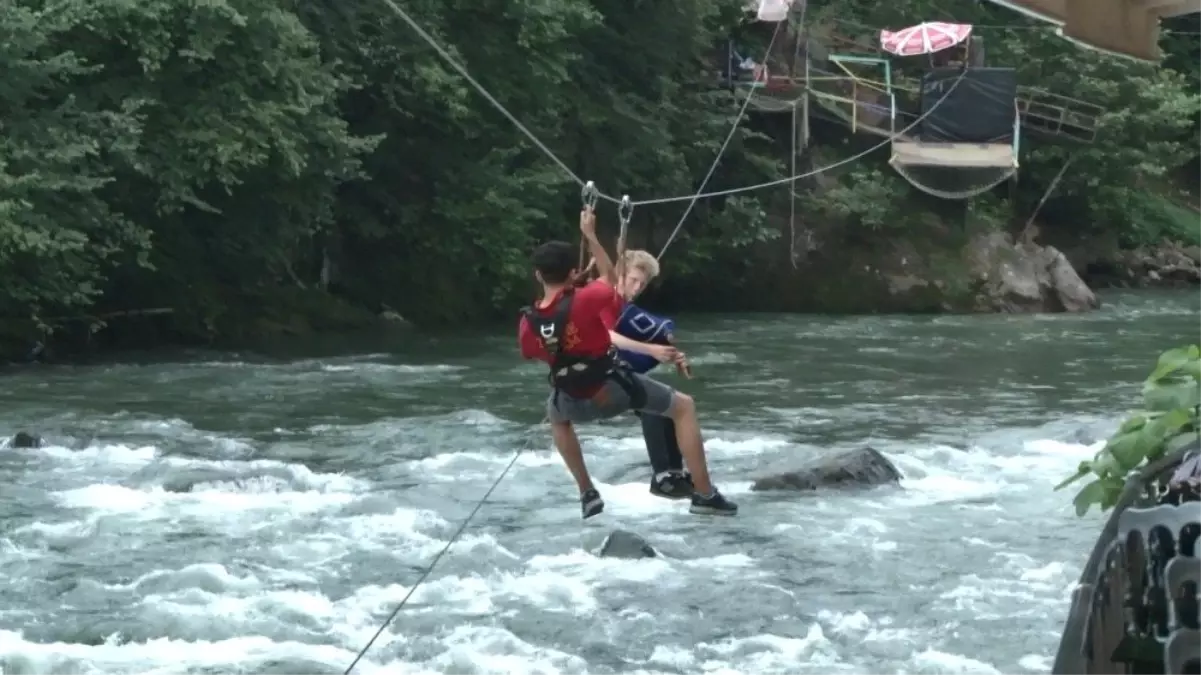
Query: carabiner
x: 625, y: 210
x: 589, y: 195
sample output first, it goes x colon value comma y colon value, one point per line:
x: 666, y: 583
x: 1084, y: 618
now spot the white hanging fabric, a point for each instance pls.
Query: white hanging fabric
x: 773, y: 10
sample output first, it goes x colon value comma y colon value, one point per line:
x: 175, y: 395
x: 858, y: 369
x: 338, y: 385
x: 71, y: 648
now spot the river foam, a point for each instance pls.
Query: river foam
x: 255, y: 516
x: 319, y: 558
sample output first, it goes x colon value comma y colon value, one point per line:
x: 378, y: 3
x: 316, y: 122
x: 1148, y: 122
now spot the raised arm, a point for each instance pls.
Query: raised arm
x: 604, y: 264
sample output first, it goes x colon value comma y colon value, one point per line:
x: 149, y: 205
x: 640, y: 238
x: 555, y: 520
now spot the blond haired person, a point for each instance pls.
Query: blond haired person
x: 639, y: 268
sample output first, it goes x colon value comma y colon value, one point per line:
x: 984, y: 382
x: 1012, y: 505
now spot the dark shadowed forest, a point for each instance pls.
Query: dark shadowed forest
x: 183, y: 172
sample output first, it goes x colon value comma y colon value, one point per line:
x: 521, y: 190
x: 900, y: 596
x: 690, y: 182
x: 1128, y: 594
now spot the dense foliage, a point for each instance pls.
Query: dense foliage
x: 237, y: 164
x: 1169, y: 421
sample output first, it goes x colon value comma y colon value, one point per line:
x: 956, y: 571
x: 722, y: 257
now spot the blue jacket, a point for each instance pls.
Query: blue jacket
x: 639, y: 324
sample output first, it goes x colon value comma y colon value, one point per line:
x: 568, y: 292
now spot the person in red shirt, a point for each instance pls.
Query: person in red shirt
x: 571, y: 329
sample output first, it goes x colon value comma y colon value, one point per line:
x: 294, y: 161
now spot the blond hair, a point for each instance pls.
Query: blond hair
x: 642, y: 261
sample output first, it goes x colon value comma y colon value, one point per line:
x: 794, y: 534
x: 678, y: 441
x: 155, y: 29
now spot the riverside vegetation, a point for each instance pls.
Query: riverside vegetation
x: 1169, y: 421
x: 181, y: 172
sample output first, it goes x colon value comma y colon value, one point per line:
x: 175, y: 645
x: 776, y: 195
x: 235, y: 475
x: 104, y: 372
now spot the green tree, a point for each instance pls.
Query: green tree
x: 252, y: 163
x: 58, y: 235
x: 457, y: 196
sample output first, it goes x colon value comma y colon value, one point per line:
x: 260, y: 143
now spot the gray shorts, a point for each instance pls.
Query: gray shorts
x: 611, y: 401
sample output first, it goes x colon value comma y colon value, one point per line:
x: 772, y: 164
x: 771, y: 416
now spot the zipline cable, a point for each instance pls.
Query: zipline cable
x: 590, y: 192
x: 663, y: 200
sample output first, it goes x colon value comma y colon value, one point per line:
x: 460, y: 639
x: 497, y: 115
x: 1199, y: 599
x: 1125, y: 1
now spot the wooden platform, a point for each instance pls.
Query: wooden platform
x: 957, y: 155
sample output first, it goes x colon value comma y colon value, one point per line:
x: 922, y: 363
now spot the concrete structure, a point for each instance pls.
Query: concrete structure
x: 1124, y: 27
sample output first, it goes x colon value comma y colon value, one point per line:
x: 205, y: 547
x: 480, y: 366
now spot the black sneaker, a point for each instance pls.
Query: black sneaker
x: 591, y: 503
x: 712, y: 505
x: 672, y: 485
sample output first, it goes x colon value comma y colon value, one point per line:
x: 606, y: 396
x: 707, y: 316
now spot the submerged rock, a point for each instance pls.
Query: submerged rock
x: 625, y: 544
x: 864, y: 467
x: 24, y: 439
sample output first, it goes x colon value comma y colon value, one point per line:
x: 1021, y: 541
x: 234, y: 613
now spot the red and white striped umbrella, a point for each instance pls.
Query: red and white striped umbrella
x: 925, y: 38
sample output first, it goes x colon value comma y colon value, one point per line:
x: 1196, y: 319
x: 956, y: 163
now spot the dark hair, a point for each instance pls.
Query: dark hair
x: 555, y: 261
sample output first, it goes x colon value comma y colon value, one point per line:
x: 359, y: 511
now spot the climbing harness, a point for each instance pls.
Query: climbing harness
x: 590, y: 196
x: 567, y: 372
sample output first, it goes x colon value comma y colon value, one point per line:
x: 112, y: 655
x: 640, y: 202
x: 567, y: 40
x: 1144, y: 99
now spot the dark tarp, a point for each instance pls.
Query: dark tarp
x: 980, y: 109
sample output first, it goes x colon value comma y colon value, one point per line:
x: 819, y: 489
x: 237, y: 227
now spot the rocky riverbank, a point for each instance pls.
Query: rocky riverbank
x: 1168, y: 265
x: 1103, y: 262
x: 940, y: 270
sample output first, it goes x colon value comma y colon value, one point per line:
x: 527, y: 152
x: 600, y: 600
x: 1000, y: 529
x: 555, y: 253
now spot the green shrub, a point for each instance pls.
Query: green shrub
x: 1169, y: 421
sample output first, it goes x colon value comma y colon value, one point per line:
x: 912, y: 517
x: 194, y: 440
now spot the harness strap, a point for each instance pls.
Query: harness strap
x: 550, y: 332
x: 632, y: 387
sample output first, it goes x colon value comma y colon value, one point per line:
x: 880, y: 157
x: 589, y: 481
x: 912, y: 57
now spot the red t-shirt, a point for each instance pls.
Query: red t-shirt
x: 593, y: 314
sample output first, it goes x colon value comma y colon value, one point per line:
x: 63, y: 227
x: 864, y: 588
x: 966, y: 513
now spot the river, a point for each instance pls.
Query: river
x: 230, y: 513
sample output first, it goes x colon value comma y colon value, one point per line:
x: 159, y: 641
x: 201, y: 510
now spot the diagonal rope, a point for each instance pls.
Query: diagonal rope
x: 733, y: 129
x: 625, y: 203
x: 437, y: 558
x: 461, y: 70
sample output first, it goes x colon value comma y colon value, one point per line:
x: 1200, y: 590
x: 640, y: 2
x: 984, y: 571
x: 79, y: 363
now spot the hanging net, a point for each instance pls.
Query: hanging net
x: 954, y: 182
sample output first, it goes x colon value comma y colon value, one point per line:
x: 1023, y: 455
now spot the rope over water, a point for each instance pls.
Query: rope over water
x: 590, y: 195
x: 434, y: 563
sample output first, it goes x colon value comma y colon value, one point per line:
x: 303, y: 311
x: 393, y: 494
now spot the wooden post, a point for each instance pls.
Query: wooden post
x: 854, y: 106
x: 805, y: 105
x: 793, y: 151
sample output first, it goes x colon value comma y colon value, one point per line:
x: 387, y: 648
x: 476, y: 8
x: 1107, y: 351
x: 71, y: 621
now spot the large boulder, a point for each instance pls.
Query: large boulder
x: 861, y: 468
x: 1025, y: 277
x: 624, y: 544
